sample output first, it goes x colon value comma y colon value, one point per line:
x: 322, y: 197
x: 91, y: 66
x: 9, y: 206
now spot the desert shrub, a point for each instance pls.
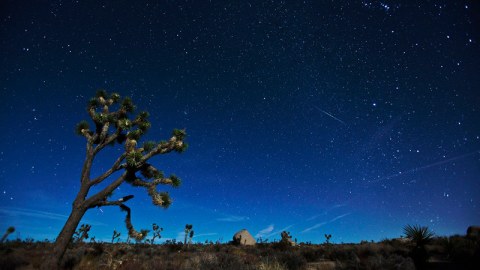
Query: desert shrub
x: 292, y: 261
x: 96, y: 249
x: 346, y: 256
x: 12, y: 261
x: 373, y: 262
x: 398, y: 262
x: 70, y: 261
x: 312, y: 254
x: 282, y: 246
x: 132, y: 265
x: 271, y: 264
x: 229, y: 261
x: 173, y: 246
x: 367, y: 250
x: 464, y: 250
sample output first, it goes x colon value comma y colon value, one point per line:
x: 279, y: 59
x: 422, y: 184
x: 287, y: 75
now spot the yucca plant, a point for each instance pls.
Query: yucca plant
x: 420, y: 235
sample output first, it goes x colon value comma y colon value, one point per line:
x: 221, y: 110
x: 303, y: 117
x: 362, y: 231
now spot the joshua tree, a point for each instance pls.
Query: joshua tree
x: 327, y: 238
x: 115, y: 235
x: 287, y: 238
x: 7, y: 233
x: 188, y: 229
x: 115, y: 123
x: 156, y: 232
x: 190, y: 237
x: 82, y: 233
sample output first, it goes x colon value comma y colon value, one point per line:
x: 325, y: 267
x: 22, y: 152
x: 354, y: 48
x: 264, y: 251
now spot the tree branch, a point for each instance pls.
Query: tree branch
x: 113, y: 203
x: 158, y: 198
x: 108, y: 140
x: 87, y: 164
x: 115, y: 167
x: 162, y: 148
x: 139, y: 236
x: 101, y: 195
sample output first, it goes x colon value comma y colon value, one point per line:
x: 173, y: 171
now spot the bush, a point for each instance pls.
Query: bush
x: 292, y: 261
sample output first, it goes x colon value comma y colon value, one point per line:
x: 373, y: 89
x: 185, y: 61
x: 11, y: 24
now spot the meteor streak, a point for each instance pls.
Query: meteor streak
x: 332, y: 116
x: 428, y: 166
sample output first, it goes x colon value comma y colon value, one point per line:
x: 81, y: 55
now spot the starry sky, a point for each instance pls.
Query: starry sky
x: 352, y: 118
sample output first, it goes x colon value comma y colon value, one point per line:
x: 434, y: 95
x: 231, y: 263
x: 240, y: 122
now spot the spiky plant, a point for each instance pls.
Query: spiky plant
x: 420, y: 235
x: 113, y: 122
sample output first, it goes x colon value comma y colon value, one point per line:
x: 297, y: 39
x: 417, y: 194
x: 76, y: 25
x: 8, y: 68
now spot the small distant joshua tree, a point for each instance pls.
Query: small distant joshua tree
x: 9, y: 231
x: 327, y: 238
x: 188, y: 233
x: 156, y: 232
x: 287, y: 238
x: 190, y: 237
x: 115, y: 235
x: 114, y: 123
x: 82, y: 233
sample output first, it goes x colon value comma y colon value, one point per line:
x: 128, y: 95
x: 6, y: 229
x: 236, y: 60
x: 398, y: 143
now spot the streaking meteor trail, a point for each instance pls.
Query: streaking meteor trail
x: 427, y: 166
x: 330, y: 115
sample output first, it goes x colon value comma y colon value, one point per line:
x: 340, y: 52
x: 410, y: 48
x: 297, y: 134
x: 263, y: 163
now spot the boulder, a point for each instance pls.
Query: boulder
x: 244, y: 238
x: 473, y: 232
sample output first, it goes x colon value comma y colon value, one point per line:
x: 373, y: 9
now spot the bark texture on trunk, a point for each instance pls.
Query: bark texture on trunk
x: 54, y: 260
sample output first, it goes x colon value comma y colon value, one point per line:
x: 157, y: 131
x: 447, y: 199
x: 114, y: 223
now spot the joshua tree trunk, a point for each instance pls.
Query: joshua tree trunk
x: 64, y: 238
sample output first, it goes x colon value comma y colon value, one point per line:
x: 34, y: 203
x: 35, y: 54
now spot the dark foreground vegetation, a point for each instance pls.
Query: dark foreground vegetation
x: 455, y: 252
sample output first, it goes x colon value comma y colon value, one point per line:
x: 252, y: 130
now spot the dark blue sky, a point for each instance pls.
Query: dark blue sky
x: 352, y: 118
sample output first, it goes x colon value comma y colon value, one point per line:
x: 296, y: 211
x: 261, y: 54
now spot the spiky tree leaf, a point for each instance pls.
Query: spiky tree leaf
x: 133, y: 158
x: 128, y: 105
x: 93, y: 103
x: 101, y: 93
x: 144, y: 126
x: 181, y: 147
x: 115, y: 97
x: 148, y: 146
x: 175, y: 180
x: 124, y: 123
x: 179, y: 134
x: 143, y: 115
x: 135, y: 134
x: 83, y: 125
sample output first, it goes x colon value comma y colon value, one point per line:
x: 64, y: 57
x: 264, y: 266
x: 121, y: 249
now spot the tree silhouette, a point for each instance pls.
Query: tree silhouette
x: 188, y: 229
x: 7, y: 233
x: 114, y: 123
x: 420, y: 236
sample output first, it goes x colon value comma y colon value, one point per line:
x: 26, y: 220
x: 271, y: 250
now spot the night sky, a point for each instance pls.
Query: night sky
x: 352, y: 118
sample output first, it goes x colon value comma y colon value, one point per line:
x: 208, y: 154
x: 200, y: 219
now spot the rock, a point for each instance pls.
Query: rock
x: 244, y: 238
x: 402, y: 240
x: 473, y: 232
